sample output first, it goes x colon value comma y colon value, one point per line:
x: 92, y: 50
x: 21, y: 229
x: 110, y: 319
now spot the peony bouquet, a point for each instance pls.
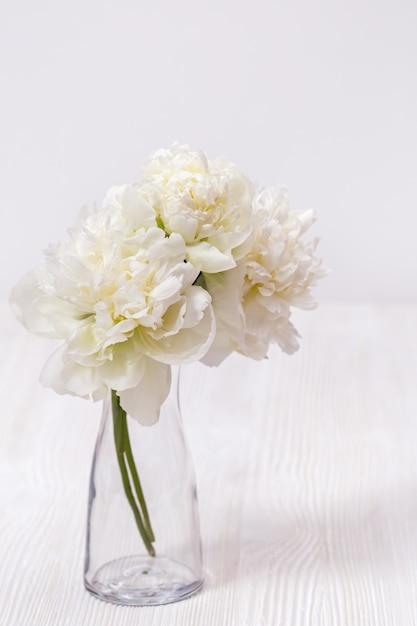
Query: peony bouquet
x: 191, y: 263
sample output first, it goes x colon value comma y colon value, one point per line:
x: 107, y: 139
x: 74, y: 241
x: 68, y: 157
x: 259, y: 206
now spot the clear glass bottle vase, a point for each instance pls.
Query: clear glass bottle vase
x: 155, y: 559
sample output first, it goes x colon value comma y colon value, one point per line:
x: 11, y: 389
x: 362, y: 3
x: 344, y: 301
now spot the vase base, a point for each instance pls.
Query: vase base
x: 143, y: 581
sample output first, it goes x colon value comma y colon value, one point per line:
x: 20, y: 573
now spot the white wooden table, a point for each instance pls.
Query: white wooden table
x: 307, y: 476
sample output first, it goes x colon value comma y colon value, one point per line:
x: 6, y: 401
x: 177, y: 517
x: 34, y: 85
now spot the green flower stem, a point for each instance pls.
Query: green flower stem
x: 136, y: 483
x: 124, y: 454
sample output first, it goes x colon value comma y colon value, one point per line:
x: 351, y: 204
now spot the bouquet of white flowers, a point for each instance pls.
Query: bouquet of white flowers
x: 191, y: 263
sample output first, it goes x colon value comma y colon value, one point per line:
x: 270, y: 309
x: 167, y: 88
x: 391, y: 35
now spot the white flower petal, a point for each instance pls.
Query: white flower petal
x: 51, y: 372
x: 123, y: 371
x: 81, y: 380
x: 84, y: 342
x: 219, y: 349
x: 188, y: 345
x: 42, y: 314
x: 134, y: 205
x: 197, y: 300
x: 144, y: 401
x: 167, y: 290
x: 207, y: 258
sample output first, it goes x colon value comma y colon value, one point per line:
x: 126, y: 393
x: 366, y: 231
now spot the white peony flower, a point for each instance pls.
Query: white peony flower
x: 252, y: 302
x: 188, y: 264
x: 121, y: 296
x: 209, y: 203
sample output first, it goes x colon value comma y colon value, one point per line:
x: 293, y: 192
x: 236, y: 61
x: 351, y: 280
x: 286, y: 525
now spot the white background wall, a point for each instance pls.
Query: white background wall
x: 319, y: 95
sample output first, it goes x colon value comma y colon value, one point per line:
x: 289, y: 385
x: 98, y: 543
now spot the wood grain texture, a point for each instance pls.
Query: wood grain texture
x: 307, y: 476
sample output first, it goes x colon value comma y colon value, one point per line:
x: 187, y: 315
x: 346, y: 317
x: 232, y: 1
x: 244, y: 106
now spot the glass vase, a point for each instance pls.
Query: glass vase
x: 143, y: 542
